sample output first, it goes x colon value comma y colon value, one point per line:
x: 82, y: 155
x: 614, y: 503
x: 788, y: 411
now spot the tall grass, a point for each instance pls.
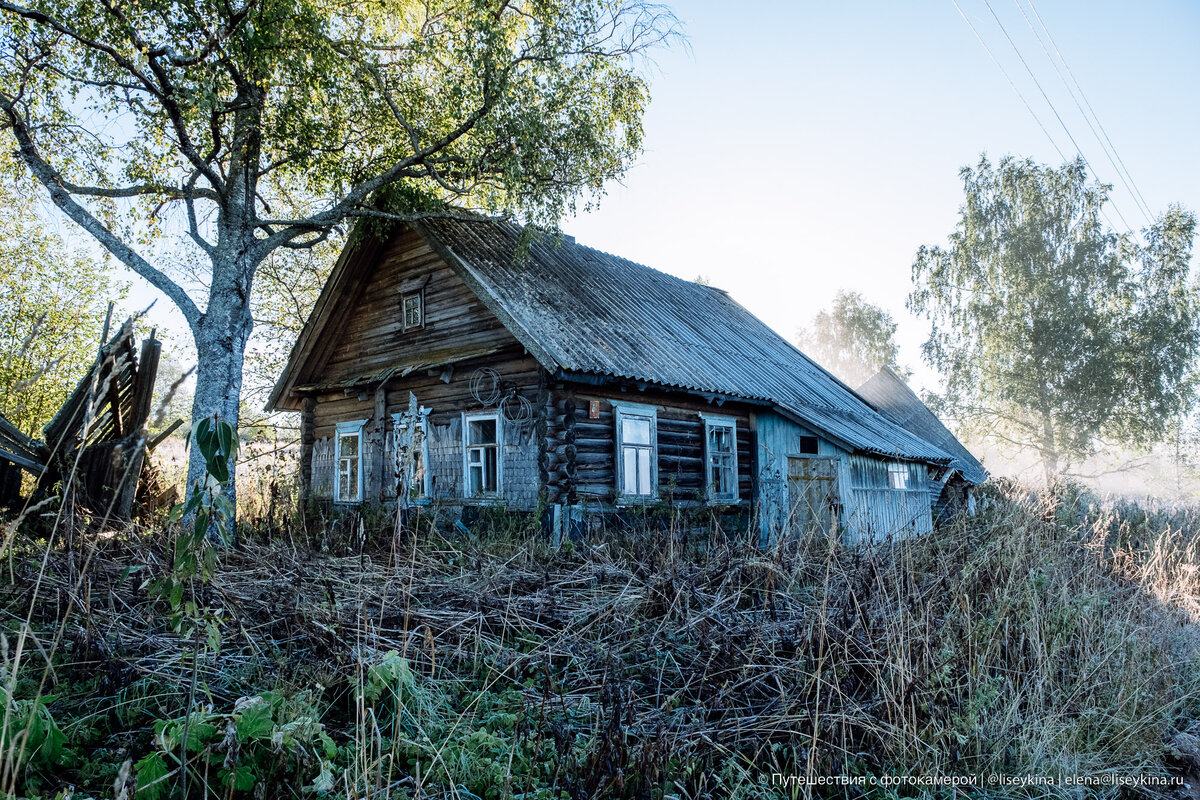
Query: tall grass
x: 1050, y: 635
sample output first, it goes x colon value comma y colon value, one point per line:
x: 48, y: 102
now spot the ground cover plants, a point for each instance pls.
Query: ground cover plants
x: 324, y: 656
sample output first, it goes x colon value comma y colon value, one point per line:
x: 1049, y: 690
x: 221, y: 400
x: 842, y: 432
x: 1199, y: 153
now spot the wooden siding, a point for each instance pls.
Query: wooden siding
x: 876, y: 511
x: 371, y: 338
x: 370, y: 335
x: 869, y: 509
x: 447, y: 402
x: 581, y: 452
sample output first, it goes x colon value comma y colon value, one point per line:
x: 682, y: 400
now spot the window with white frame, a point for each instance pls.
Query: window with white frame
x: 347, y: 455
x: 720, y: 457
x: 637, y: 450
x: 412, y: 455
x: 481, y: 454
x: 412, y: 307
x: 897, y: 475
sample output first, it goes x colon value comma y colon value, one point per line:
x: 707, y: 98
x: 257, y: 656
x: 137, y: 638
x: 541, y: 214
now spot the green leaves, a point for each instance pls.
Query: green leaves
x: 262, y: 738
x: 853, y: 339
x: 1050, y: 329
x: 152, y: 772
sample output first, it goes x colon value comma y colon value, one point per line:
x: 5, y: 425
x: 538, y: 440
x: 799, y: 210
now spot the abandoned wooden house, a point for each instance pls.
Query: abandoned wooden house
x: 454, y: 363
x: 954, y: 490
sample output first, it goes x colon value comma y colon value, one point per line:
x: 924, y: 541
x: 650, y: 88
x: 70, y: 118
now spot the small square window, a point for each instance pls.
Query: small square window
x: 412, y: 307
x: 808, y: 445
x: 898, y: 475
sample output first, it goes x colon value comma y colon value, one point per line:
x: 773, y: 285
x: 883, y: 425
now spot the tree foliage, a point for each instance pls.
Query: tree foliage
x: 1051, y: 330
x: 266, y: 124
x: 52, y: 306
x: 853, y: 339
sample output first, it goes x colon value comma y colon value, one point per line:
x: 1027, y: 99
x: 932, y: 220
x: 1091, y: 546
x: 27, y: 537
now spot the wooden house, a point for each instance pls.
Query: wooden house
x: 453, y: 362
x: 954, y: 490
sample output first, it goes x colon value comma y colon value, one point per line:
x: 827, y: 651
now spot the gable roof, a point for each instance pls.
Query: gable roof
x: 888, y: 392
x: 585, y: 313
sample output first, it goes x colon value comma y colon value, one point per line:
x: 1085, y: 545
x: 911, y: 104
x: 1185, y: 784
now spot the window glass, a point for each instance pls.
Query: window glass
x: 635, y: 430
x: 722, y: 460
x: 636, y: 452
x: 483, y: 456
x: 643, y: 472
x: 898, y: 476
x: 348, y: 466
x: 414, y: 311
x: 482, y: 431
x: 629, y: 470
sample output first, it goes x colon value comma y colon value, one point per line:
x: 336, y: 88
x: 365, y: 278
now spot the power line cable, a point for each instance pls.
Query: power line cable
x: 1135, y: 190
x: 1021, y: 96
x: 1011, y: 83
x: 1049, y: 102
x: 1109, y: 152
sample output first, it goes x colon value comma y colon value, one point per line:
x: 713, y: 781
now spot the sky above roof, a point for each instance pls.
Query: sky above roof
x: 793, y: 149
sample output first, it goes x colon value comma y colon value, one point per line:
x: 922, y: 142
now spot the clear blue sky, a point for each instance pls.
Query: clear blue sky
x: 793, y: 149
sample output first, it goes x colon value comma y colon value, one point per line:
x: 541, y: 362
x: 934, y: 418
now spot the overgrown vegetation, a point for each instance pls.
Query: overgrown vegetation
x: 1050, y: 635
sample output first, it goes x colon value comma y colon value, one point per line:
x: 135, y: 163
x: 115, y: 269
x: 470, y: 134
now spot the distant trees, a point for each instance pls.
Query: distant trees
x: 852, y: 339
x: 1051, y: 330
x: 52, y: 306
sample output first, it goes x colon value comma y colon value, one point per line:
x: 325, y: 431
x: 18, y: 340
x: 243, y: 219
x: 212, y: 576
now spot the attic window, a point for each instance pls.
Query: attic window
x: 808, y: 445
x: 412, y: 308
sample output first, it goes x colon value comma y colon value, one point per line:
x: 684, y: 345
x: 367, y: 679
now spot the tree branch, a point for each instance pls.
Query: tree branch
x: 49, y: 177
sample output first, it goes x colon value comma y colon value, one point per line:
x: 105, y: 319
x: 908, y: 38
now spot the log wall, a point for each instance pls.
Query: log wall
x: 581, y: 452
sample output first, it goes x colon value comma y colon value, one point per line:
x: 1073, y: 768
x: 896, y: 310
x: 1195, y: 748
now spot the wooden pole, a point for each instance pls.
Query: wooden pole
x: 308, y: 407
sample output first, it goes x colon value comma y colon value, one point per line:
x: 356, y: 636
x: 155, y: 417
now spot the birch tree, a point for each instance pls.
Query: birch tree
x: 255, y: 125
x: 853, y: 339
x: 1055, y: 333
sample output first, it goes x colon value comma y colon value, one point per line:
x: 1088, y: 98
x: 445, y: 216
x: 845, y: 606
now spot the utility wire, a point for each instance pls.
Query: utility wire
x: 1108, y: 153
x: 1049, y: 102
x: 1021, y: 96
x: 1131, y: 185
x: 1011, y: 83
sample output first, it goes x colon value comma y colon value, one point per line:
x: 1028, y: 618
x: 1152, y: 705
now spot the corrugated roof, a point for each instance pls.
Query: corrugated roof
x: 891, y: 395
x: 585, y: 311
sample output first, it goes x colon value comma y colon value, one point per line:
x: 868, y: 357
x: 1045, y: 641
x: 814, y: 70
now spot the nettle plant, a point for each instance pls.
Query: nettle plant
x: 211, y: 516
x: 210, y: 511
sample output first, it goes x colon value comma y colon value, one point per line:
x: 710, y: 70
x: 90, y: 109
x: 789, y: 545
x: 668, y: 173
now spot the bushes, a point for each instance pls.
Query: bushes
x: 1038, y: 638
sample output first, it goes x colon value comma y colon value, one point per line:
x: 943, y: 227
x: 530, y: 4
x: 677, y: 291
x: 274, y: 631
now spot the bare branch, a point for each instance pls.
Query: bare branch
x: 49, y: 178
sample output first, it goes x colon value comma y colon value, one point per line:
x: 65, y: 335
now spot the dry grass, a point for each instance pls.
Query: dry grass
x: 648, y: 664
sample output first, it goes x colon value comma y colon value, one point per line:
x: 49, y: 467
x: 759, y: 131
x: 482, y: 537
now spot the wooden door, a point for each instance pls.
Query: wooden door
x: 812, y: 493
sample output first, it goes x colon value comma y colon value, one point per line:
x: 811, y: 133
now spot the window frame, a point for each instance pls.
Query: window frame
x: 621, y: 410
x: 467, y: 419
x: 427, y: 479
x: 419, y: 294
x: 898, y: 468
x: 711, y: 422
x: 345, y: 430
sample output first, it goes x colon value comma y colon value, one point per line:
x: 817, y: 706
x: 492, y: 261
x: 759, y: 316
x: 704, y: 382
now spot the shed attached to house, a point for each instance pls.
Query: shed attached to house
x: 455, y: 362
x: 892, y: 397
